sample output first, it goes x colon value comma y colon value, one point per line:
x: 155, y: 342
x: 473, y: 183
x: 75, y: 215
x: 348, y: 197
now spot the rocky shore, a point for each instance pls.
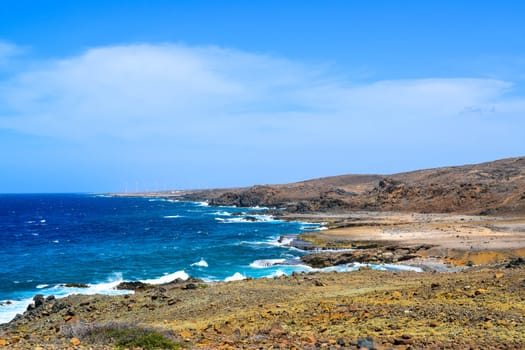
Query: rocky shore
x: 477, y: 308
x: 463, y: 226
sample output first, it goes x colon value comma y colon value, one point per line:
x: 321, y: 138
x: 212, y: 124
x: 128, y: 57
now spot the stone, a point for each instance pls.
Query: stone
x: 75, y: 285
x: 185, y: 335
x: 318, y: 283
x: 75, y: 341
x: 135, y: 285
x: 276, y: 329
x: 217, y: 328
x: 38, y: 300
x: 433, y: 324
x: 367, y: 343
x: 481, y: 291
x: 3, y: 342
x: 190, y: 286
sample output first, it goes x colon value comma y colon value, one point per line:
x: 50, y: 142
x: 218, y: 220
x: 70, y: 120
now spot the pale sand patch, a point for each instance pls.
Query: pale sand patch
x: 476, y: 239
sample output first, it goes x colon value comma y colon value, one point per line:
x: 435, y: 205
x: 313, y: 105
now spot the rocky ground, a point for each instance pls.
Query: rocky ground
x: 468, y: 221
x: 478, y: 308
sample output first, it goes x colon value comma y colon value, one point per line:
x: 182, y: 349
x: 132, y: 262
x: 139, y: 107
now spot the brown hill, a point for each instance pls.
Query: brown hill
x: 496, y: 187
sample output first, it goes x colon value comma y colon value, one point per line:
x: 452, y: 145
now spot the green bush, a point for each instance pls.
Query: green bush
x: 138, y: 337
x: 121, y: 335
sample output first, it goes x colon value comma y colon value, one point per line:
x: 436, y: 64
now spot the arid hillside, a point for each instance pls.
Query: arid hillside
x: 496, y: 187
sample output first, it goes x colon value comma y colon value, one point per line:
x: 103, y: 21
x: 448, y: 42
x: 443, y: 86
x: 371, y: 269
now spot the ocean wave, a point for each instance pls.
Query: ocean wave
x: 249, y: 219
x: 168, y: 278
x: 157, y: 200
x: 202, y: 204
x: 237, y: 276
x: 10, y: 308
x: 263, y: 263
x: 201, y: 263
x: 277, y: 273
x: 313, y: 228
x: 220, y: 213
x: 172, y: 216
x: 258, y: 208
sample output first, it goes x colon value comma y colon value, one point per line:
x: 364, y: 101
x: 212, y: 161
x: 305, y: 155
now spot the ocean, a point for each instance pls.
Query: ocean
x: 50, y: 240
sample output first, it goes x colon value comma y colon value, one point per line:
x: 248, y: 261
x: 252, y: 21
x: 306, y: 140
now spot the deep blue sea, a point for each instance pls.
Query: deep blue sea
x: 47, y: 241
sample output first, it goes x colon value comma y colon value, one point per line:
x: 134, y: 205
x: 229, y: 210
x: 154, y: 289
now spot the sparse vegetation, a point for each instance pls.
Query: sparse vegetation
x: 120, y: 335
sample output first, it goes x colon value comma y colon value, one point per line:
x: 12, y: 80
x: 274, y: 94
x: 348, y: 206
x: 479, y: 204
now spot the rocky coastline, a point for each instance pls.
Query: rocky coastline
x: 463, y: 226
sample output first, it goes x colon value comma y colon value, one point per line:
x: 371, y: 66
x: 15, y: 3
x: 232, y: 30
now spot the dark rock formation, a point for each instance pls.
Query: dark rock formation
x: 136, y: 285
x: 382, y: 255
x: 489, y: 188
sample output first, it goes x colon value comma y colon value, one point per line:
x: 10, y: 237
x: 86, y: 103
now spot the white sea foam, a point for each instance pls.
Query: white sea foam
x: 258, y: 208
x: 8, y: 310
x: 283, y: 241
x: 157, y: 200
x: 237, y: 276
x: 168, y: 278
x: 249, y: 219
x: 56, y: 241
x: 277, y: 273
x: 263, y: 263
x: 221, y: 213
x: 201, y: 263
x: 172, y: 216
x: 391, y: 267
x: 202, y: 204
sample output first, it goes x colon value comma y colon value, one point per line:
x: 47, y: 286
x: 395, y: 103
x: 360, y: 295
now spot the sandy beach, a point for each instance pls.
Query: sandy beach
x: 457, y: 239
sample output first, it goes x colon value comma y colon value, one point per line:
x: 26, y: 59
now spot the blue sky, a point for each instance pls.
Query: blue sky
x: 142, y: 95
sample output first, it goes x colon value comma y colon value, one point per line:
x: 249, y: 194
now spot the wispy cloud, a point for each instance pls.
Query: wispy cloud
x: 7, y: 51
x: 185, y: 96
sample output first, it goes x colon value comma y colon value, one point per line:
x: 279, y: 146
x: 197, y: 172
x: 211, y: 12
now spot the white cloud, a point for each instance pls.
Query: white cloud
x: 179, y: 97
x: 129, y: 91
x: 7, y: 51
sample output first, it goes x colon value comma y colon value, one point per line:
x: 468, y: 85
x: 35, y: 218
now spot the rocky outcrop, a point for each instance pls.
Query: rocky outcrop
x: 251, y: 197
x: 489, y: 188
x: 382, y: 255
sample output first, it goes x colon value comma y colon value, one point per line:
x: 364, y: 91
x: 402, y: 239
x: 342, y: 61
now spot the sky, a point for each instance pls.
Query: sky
x: 111, y: 96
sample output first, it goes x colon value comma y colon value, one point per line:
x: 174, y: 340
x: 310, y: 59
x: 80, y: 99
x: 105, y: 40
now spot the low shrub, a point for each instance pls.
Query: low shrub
x: 121, y: 335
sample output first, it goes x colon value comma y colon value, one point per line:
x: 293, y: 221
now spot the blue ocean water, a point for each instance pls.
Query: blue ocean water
x: 50, y: 240
x: 47, y: 241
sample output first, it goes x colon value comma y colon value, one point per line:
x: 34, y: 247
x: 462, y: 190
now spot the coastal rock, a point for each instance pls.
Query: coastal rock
x: 135, y: 285
x: 489, y: 188
x: 75, y: 285
x: 371, y: 255
x: 39, y: 300
x: 514, y: 263
x: 366, y: 343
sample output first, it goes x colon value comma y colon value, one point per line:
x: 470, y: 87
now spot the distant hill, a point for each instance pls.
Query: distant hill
x: 496, y: 187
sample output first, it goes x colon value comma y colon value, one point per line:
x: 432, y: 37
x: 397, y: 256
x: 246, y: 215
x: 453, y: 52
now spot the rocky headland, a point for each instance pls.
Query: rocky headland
x: 464, y: 226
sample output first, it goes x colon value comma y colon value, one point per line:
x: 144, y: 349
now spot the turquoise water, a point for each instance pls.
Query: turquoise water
x: 51, y: 240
